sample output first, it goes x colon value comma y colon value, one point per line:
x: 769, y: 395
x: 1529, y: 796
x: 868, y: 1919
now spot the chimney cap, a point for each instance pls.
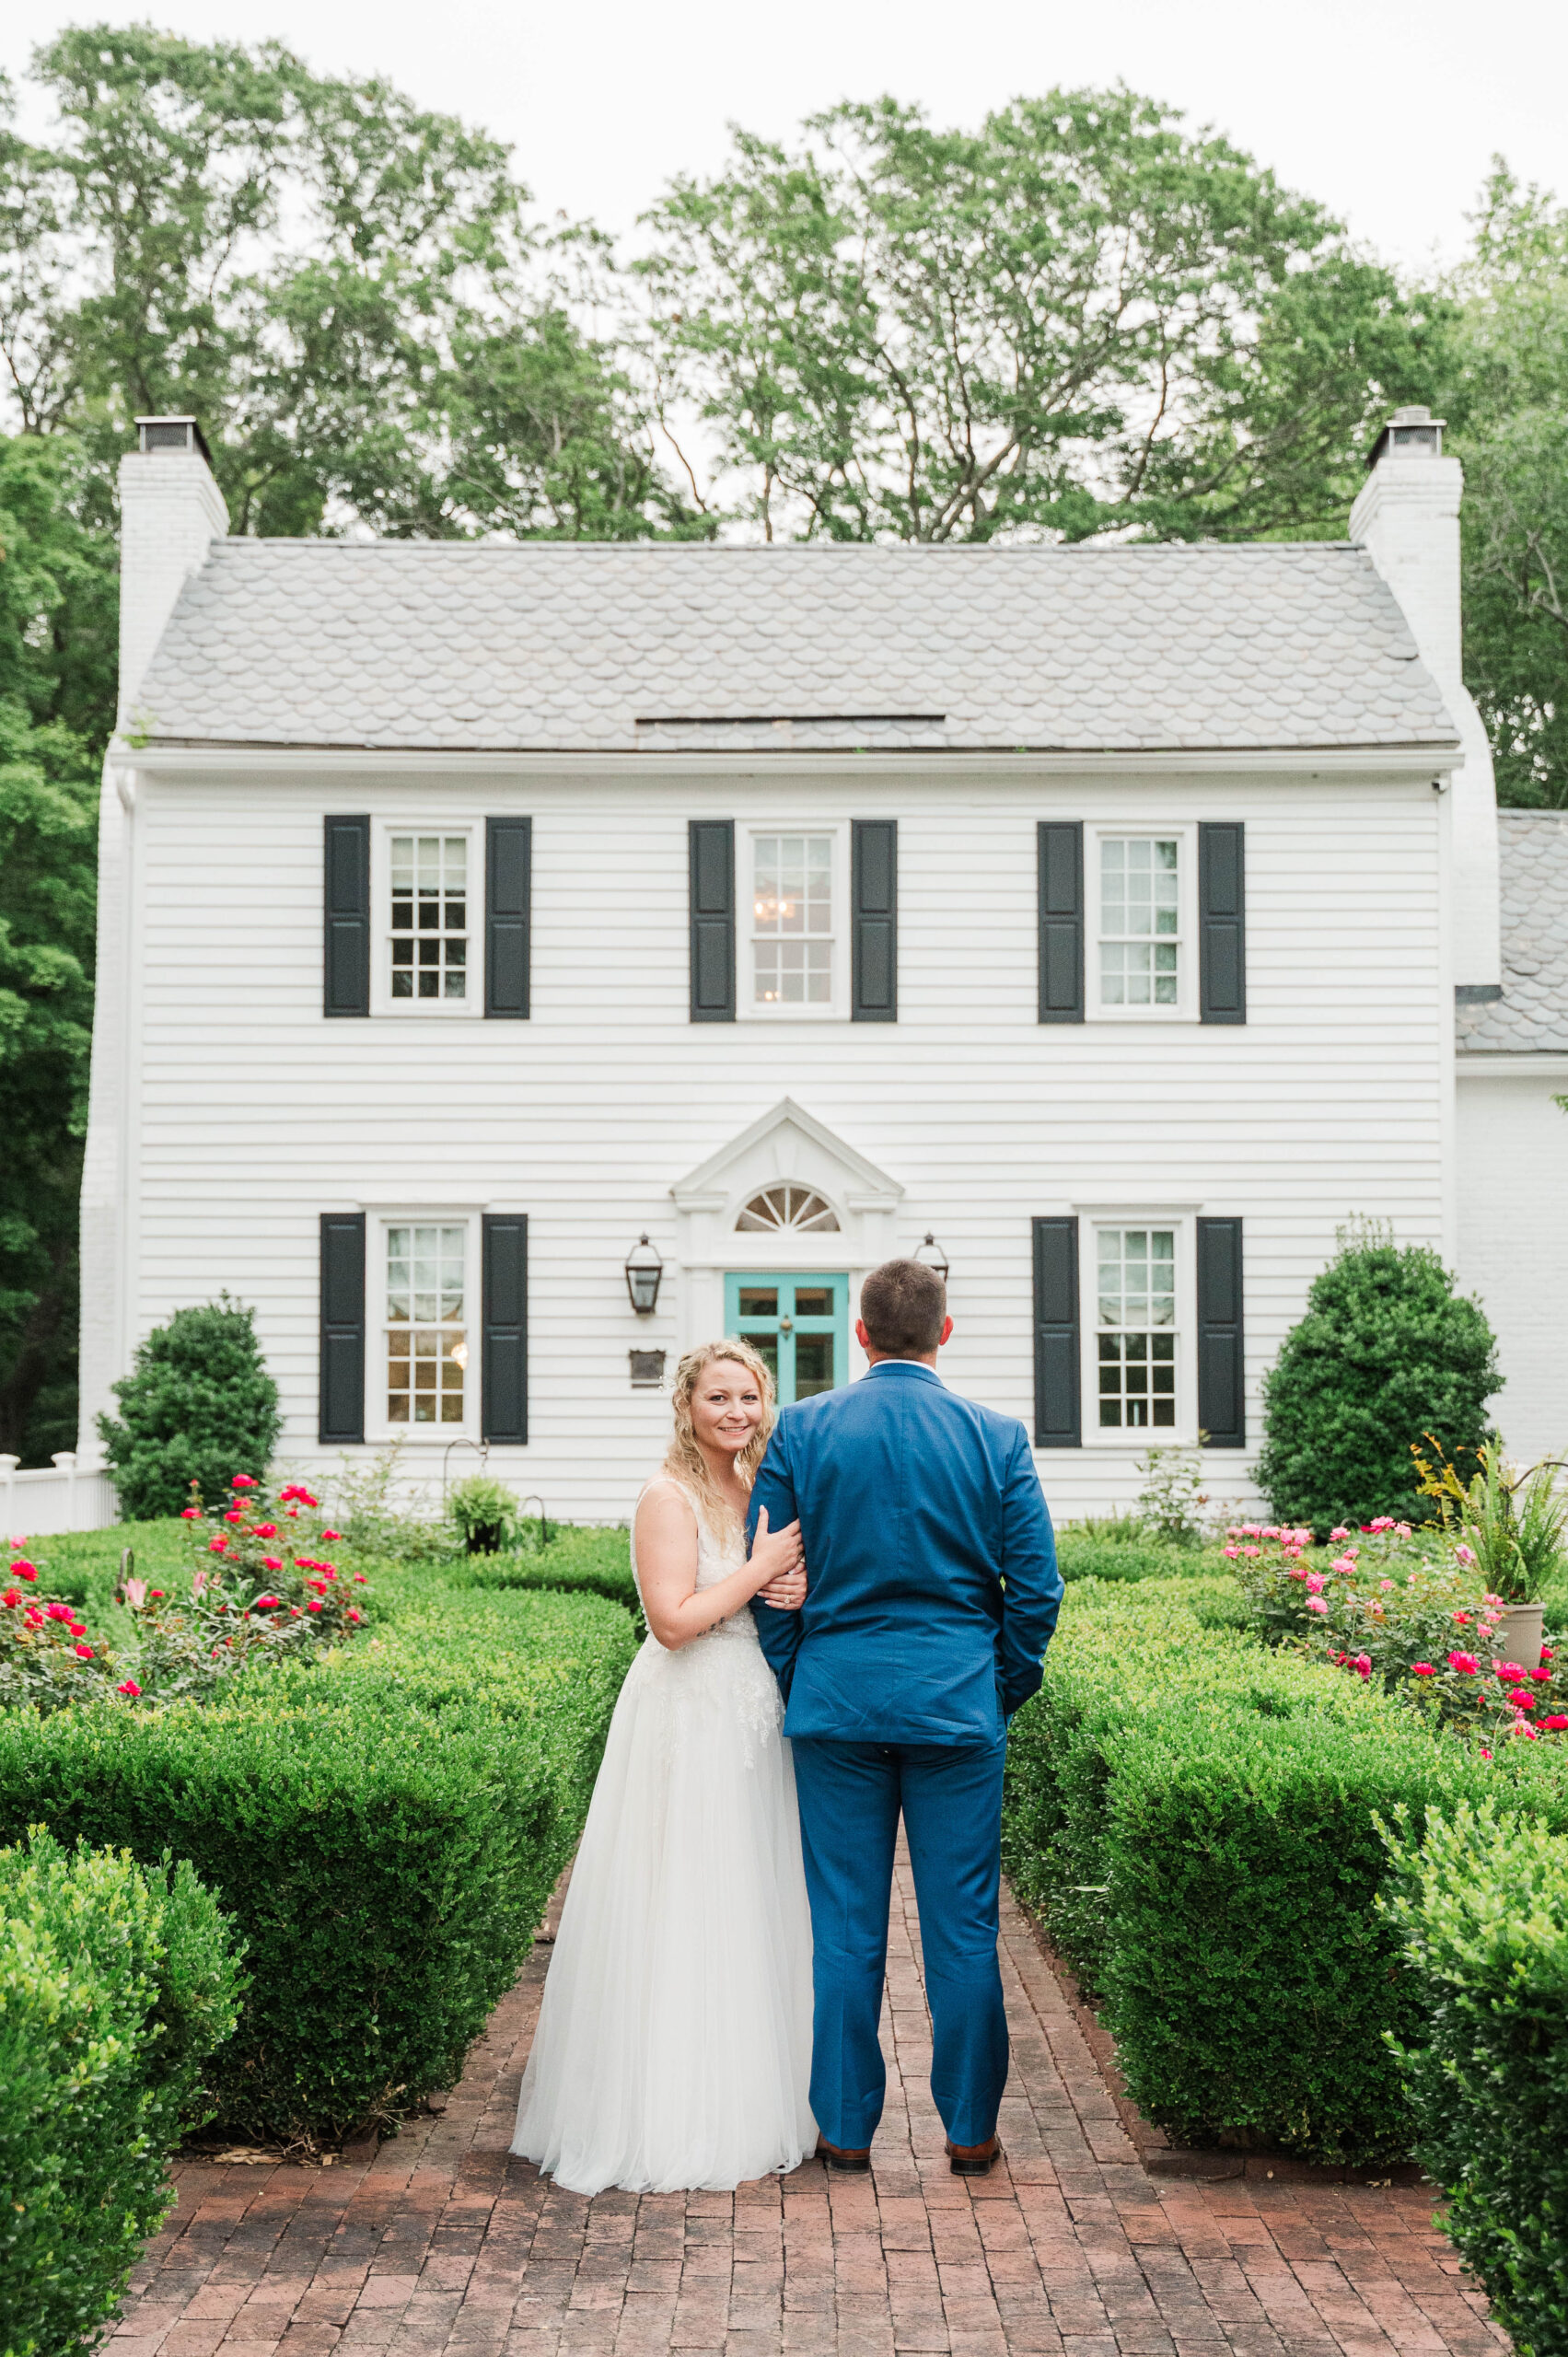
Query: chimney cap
x: 155, y: 434
x: 1411, y: 433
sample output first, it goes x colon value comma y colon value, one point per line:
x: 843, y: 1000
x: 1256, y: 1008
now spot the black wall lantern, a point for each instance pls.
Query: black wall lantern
x: 930, y: 1256
x: 644, y: 1267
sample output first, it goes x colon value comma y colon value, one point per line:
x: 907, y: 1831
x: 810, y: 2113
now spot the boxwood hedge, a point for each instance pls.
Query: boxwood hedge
x: 1482, y: 1912
x: 1194, y: 1819
x: 116, y: 1983
x: 385, y: 1830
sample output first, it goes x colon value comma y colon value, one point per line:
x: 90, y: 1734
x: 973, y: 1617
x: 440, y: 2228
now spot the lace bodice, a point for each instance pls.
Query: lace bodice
x: 717, y: 1556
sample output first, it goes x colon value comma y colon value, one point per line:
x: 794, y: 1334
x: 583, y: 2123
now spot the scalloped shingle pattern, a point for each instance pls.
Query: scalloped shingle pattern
x: 486, y: 647
x: 1532, y: 1013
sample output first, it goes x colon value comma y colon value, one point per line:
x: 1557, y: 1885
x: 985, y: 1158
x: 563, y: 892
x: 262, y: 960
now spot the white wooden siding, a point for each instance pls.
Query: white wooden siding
x: 248, y: 1113
x: 1513, y: 1186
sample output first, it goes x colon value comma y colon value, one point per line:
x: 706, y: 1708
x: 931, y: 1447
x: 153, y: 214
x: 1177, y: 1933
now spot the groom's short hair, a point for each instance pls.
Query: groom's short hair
x: 903, y: 1305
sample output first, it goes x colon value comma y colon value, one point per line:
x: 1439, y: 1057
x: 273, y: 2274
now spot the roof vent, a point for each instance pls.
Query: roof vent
x: 1411, y: 433
x: 171, y: 434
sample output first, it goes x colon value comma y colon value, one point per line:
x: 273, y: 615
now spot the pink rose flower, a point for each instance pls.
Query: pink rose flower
x: 1316, y: 1603
x: 1316, y: 1583
x: 1340, y: 1530
x: 1465, y: 1554
x: 1466, y: 1663
x: 189, y: 1514
x: 1422, y: 1669
x: 1362, y: 1665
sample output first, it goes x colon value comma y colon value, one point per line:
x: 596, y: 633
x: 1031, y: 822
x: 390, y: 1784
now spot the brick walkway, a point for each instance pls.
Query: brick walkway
x: 443, y: 2242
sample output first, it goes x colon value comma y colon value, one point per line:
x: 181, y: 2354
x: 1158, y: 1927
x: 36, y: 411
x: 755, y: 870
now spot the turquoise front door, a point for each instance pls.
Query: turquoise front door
x: 800, y: 1325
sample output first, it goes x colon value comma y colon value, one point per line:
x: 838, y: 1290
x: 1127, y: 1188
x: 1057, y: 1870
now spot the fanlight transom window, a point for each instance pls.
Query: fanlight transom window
x: 798, y: 1210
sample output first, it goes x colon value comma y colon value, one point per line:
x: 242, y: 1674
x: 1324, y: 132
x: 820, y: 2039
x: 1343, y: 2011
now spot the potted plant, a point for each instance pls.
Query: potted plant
x: 1512, y: 1527
x: 485, y: 1512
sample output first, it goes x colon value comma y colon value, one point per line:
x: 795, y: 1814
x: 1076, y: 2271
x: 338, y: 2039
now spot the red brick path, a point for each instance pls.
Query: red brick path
x: 444, y: 2242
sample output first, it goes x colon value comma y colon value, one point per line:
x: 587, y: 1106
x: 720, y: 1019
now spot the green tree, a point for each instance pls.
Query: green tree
x: 1082, y: 317
x: 198, y: 1404
x: 1387, y: 1353
x: 56, y: 689
x: 1509, y: 396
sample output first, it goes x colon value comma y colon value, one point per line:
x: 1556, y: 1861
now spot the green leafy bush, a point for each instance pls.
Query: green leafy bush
x: 197, y: 1406
x: 385, y: 1828
x: 1192, y: 1817
x: 116, y: 1982
x: 485, y: 1512
x: 1388, y: 1352
x: 1481, y: 1910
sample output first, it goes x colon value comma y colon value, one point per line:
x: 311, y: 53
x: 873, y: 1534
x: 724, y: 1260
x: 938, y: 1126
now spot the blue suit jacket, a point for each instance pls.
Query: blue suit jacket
x: 914, y: 1506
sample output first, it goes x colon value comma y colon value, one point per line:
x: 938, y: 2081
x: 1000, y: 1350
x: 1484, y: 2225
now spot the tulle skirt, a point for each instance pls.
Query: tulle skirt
x: 674, y: 2040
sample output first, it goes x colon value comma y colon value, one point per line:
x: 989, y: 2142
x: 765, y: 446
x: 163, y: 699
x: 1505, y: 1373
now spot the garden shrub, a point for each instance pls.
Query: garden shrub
x: 197, y: 1406
x: 385, y: 1829
x: 116, y: 1984
x: 1386, y: 1354
x: 1482, y: 1913
x: 1192, y: 1817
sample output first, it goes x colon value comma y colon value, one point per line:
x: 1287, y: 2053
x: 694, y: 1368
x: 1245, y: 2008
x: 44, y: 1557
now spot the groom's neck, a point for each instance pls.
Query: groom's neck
x: 903, y: 1358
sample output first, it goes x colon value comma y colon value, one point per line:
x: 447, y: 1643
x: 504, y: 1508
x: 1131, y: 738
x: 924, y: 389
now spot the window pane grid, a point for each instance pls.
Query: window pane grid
x: 791, y: 920
x: 426, y: 1333
x: 429, y: 916
x: 1136, y: 1341
x: 1140, y: 921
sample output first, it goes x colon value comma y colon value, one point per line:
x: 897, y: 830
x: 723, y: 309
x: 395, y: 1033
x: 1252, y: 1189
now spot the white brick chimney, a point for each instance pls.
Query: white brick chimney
x: 171, y: 511
x: 1408, y: 517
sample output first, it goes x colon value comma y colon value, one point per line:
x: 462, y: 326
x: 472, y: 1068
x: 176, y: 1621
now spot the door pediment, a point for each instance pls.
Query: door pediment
x: 787, y: 1148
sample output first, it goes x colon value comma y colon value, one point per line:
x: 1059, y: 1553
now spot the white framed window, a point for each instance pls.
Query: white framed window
x: 795, y: 884
x: 426, y: 883
x: 1136, y: 1335
x: 1143, y: 901
x: 428, y: 1369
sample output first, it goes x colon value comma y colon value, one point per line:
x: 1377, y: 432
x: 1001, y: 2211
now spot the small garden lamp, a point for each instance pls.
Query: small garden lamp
x: 930, y: 1256
x: 644, y: 1267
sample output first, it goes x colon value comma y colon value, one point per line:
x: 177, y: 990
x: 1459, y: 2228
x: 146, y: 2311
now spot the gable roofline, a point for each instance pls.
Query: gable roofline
x: 707, y: 1184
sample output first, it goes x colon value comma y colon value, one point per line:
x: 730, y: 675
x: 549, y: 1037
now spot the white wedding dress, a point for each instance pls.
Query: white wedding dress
x: 674, y: 2040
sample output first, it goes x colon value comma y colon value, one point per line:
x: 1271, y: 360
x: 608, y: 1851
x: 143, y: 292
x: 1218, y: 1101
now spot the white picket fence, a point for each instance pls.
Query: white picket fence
x: 53, y: 1497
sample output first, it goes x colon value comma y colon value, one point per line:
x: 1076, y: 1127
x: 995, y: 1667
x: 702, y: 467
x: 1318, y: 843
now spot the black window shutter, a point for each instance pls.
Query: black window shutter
x: 1222, y: 922
x: 346, y: 917
x: 1061, y: 920
x: 874, y: 894
x: 712, y: 857
x: 508, y: 847
x: 1222, y: 1402
x: 341, y: 1406
x: 503, y: 1403
x: 1057, y: 1423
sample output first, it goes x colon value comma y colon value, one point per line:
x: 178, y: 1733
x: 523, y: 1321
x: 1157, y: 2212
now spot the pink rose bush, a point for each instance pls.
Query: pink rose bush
x: 49, y: 1656
x: 259, y: 1589
x: 1409, y: 1610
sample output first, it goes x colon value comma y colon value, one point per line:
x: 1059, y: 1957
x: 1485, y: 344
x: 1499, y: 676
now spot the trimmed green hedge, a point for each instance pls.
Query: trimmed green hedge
x: 1483, y: 1911
x: 1192, y: 1818
x: 385, y: 1829
x: 116, y: 1983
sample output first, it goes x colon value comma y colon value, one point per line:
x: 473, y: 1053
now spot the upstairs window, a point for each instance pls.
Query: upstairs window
x: 1140, y: 921
x: 426, y: 1327
x: 1136, y: 1338
x: 428, y: 882
x: 791, y: 920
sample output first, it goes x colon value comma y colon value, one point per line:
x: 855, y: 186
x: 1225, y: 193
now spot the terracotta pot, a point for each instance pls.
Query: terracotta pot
x: 1517, y: 1636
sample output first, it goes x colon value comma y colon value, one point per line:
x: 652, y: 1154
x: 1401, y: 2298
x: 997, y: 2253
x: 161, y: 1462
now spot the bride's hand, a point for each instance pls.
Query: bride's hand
x: 786, y: 1593
x: 775, y: 1554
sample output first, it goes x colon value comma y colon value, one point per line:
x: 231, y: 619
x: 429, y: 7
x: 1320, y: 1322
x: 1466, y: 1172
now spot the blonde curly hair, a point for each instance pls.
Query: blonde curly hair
x: 683, y: 1459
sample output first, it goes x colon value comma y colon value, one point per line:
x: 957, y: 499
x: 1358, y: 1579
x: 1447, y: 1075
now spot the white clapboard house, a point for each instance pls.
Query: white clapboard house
x: 1121, y: 919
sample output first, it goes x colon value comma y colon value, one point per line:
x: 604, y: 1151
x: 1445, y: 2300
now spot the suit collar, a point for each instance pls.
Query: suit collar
x: 905, y: 1367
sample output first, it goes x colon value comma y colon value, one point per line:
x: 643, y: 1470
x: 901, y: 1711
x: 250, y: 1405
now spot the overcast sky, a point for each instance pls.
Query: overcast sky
x: 1386, y: 111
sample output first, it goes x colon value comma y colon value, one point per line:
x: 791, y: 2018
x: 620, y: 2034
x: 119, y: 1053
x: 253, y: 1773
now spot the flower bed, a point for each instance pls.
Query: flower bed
x: 1193, y: 1815
x: 116, y: 1983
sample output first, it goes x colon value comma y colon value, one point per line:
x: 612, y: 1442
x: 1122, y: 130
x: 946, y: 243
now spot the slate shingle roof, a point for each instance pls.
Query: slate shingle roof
x: 505, y: 647
x: 1532, y: 1012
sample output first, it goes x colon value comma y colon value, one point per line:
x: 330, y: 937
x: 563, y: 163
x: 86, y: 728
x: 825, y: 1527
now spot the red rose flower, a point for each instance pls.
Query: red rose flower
x: 1466, y: 1663
x: 328, y: 1536
x: 189, y: 1514
x: 83, y: 1653
x: 1422, y: 1669
x: 314, y: 1605
x: 129, y: 1688
x: 243, y: 1481
x: 272, y: 1563
x: 22, y: 1570
x: 1558, y: 1721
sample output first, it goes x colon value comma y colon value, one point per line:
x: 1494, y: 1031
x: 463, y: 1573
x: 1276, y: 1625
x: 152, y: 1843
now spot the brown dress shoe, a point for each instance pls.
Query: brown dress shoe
x: 974, y: 2160
x: 847, y: 2164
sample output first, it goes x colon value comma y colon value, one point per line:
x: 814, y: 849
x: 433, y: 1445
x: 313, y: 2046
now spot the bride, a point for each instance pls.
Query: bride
x: 674, y: 2041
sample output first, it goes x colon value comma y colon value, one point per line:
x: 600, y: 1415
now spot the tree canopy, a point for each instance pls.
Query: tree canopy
x: 1082, y: 317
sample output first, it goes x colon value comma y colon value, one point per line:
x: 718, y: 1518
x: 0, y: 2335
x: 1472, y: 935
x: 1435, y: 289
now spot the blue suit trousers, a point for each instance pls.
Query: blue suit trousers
x: 950, y: 1796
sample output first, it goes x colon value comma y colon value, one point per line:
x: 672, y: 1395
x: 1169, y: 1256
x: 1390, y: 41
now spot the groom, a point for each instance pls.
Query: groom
x: 900, y: 1673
